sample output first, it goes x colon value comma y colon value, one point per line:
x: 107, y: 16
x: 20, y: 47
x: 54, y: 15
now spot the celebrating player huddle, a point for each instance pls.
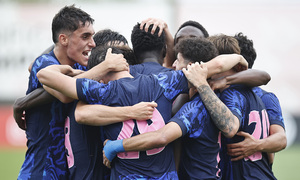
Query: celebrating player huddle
x: 184, y: 108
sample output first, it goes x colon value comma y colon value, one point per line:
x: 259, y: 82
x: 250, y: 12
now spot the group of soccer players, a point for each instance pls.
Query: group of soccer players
x: 167, y: 108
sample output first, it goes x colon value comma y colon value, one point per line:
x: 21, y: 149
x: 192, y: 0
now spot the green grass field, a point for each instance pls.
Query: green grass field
x: 285, y: 165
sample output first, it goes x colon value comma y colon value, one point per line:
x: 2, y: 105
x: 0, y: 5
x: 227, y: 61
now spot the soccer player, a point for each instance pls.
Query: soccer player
x: 253, y: 119
x: 250, y: 146
x: 72, y: 31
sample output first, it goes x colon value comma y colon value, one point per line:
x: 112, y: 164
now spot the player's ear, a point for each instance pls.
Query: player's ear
x: 63, y: 39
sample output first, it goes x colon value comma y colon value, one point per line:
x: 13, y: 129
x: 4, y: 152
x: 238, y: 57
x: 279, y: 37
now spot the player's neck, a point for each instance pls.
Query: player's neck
x: 122, y: 74
x: 150, y: 56
x: 62, y: 57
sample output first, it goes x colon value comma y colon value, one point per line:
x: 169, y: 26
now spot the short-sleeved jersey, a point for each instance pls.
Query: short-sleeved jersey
x: 45, y: 156
x: 148, y: 68
x: 272, y: 106
x: 83, y: 149
x: 200, y: 145
x: 162, y: 88
x: 251, y: 112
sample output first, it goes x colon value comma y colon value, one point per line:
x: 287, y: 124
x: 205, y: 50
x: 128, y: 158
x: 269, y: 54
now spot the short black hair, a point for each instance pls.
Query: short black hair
x: 247, y: 48
x: 104, y: 36
x: 196, y: 49
x: 143, y: 41
x: 69, y: 19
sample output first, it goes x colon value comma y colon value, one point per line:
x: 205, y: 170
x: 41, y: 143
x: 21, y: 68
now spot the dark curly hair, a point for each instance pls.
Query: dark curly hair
x: 104, y: 36
x: 196, y: 49
x: 143, y: 41
x: 69, y: 19
x: 247, y: 48
x: 98, y: 54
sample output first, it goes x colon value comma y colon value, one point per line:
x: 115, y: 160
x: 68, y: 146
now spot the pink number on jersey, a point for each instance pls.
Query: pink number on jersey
x: 258, y: 131
x: 143, y: 127
x: 157, y: 123
x: 70, y: 156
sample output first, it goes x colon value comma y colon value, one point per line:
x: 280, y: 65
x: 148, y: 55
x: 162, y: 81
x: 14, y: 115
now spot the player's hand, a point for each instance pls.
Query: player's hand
x: 111, y: 149
x: 196, y: 74
x: 244, y: 148
x: 143, y: 110
x: 116, y: 62
x: 156, y: 23
x: 19, y: 116
x: 217, y: 83
x: 106, y: 162
x: 242, y: 65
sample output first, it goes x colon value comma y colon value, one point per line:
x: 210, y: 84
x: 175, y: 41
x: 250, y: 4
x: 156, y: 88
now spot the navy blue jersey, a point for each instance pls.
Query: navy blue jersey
x: 272, y: 106
x: 148, y: 68
x: 200, y: 145
x: 45, y: 156
x: 162, y: 88
x: 83, y: 148
x: 251, y: 112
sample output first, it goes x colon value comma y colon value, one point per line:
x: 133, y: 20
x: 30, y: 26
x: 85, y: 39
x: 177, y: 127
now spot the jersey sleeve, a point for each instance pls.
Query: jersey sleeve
x: 92, y: 91
x: 40, y: 63
x: 80, y: 67
x: 234, y: 100
x: 273, y: 109
x: 191, y: 118
x: 173, y: 83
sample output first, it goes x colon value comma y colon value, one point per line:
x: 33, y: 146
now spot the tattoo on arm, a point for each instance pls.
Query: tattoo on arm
x: 219, y: 112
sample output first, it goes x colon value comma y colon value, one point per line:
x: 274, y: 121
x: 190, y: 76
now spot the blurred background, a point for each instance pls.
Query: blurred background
x: 273, y: 25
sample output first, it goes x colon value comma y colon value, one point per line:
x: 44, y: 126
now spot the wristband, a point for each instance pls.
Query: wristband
x: 112, y: 148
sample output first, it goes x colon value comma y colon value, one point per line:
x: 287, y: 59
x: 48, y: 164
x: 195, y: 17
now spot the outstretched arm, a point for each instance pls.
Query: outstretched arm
x: 249, y: 77
x: 219, y: 112
x: 37, y: 97
x: 100, y: 115
x: 142, y: 142
x: 163, y: 26
x: 226, y: 62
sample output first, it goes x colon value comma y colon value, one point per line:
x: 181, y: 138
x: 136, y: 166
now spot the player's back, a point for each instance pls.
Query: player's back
x: 162, y: 88
x: 250, y: 110
x: 200, y: 145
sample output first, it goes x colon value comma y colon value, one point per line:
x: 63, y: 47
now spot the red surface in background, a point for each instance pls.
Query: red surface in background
x: 10, y: 134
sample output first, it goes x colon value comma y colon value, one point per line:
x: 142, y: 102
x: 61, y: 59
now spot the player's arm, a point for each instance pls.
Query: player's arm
x: 58, y: 79
x: 37, y: 97
x: 249, y: 77
x: 273, y: 143
x: 179, y: 102
x: 100, y: 115
x: 226, y: 62
x: 222, y: 117
x: 142, y: 142
x: 163, y: 26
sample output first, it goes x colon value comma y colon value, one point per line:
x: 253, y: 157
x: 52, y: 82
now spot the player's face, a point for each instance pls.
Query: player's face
x: 80, y: 44
x: 188, y: 31
x: 180, y: 62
